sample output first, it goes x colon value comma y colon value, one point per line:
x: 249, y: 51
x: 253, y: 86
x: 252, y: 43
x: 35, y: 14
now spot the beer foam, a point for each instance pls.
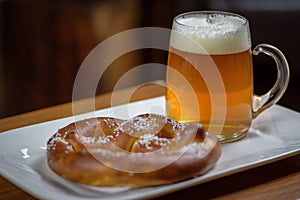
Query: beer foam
x: 209, y: 33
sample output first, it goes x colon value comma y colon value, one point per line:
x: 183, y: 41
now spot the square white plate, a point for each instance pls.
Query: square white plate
x: 274, y: 135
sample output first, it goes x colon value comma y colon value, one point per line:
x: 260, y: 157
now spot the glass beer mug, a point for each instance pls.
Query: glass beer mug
x: 210, y: 73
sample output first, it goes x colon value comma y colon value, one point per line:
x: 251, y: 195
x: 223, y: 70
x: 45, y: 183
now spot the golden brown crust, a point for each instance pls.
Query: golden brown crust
x: 144, y: 151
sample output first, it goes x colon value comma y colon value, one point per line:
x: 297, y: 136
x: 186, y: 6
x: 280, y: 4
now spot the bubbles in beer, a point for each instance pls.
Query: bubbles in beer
x: 211, y: 33
x: 211, y: 21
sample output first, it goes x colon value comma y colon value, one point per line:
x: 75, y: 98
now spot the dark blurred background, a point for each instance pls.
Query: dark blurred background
x: 43, y: 43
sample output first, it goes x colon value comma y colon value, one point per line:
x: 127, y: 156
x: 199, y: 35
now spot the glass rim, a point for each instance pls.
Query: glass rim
x: 209, y: 12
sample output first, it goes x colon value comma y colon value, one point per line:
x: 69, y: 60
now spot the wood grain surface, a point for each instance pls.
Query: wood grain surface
x: 278, y: 180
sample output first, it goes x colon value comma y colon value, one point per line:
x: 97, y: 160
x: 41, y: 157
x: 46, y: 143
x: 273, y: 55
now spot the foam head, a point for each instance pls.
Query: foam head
x: 210, y: 33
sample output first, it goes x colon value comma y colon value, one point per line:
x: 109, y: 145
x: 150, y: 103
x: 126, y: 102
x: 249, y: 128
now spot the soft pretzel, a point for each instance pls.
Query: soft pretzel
x: 146, y: 150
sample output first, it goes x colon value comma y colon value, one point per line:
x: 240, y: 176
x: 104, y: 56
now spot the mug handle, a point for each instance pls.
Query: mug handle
x: 261, y: 103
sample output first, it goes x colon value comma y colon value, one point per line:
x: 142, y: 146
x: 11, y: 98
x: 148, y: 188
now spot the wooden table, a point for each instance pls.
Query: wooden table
x: 278, y: 180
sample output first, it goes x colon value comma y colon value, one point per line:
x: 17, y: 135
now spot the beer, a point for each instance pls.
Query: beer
x: 210, y: 76
x: 238, y: 89
x: 199, y: 45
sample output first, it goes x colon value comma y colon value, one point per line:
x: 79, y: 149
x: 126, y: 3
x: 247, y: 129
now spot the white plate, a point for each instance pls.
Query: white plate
x: 275, y: 134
